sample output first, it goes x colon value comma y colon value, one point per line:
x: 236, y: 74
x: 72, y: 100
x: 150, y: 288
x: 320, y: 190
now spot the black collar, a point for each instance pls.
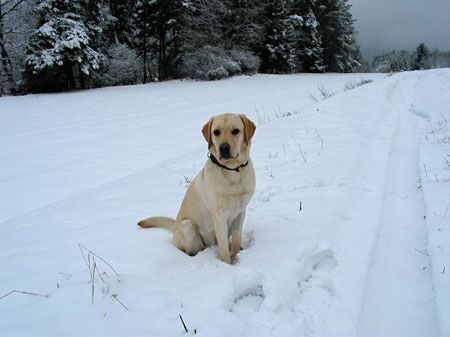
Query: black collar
x: 215, y: 161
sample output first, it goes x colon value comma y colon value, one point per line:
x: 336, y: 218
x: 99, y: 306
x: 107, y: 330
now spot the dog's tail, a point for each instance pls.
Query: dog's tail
x: 158, y: 221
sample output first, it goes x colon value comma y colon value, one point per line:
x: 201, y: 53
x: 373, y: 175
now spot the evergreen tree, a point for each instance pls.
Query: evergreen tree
x: 401, y: 61
x: 163, y: 17
x: 143, y: 37
x: 243, y: 25
x: 203, y: 24
x: 309, y: 42
x: 11, y: 17
x: 422, y: 60
x: 60, y: 48
x: 212, y: 47
x: 279, y: 53
x: 157, y: 23
x: 394, y: 61
x: 338, y: 35
x: 121, y: 26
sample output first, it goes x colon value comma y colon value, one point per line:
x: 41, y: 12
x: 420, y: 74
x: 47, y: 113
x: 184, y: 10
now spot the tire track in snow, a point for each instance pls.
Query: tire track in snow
x: 399, y: 297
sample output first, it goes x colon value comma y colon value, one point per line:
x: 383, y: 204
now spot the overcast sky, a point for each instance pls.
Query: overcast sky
x: 401, y: 24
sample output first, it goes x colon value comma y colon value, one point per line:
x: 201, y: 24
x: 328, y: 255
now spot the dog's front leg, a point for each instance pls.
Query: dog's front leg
x: 221, y: 229
x: 236, y: 234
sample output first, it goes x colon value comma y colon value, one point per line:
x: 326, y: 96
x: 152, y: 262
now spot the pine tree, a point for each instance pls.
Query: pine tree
x: 309, y: 42
x: 121, y: 25
x: 338, y: 35
x: 157, y: 23
x: 203, y: 40
x: 243, y: 25
x: 422, y: 60
x: 203, y: 24
x: 143, y: 37
x: 60, y: 48
x: 218, y: 38
x: 163, y: 17
x: 394, y: 61
x: 279, y: 53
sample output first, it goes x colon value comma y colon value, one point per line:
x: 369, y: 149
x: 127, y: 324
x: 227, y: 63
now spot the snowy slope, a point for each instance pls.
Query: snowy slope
x: 364, y: 256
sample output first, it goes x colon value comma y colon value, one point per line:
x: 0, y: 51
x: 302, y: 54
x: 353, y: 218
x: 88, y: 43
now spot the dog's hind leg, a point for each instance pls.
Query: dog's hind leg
x: 187, y: 238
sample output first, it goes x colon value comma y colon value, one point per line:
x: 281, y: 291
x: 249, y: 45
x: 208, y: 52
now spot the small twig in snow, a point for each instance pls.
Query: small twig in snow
x: 92, y: 274
x: 98, y: 256
x: 422, y: 252
x: 318, y: 135
x: 299, y: 147
x: 23, y: 292
x: 182, y: 321
x: 300, y: 206
x: 425, y: 168
x: 117, y: 299
x: 313, y: 97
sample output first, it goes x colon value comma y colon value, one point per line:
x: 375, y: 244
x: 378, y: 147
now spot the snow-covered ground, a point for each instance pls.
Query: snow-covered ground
x: 348, y: 233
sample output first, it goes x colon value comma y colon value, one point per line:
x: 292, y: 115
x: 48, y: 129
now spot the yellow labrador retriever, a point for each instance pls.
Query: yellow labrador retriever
x: 215, y: 202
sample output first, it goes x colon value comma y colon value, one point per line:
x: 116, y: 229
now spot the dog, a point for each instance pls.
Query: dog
x: 215, y: 202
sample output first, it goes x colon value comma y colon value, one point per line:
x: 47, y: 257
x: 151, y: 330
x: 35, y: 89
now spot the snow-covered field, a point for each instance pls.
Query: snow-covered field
x: 348, y: 233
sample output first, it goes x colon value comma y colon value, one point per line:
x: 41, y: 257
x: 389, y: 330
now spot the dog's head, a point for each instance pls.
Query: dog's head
x: 229, y: 137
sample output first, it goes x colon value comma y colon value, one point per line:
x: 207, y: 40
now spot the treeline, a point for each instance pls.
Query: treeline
x: 58, y: 45
x: 404, y: 60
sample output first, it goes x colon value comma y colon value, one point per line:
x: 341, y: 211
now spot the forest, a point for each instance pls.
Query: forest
x: 63, y: 45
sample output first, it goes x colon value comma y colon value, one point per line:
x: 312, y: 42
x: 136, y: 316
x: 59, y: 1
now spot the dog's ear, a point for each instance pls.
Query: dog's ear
x: 249, y: 128
x: 207, y: 132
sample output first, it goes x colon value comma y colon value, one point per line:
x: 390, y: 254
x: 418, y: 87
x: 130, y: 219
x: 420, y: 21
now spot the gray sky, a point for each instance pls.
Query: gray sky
x: 401, y: 24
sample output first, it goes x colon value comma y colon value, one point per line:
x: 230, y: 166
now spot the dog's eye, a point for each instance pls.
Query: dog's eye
x: 235, y: 131
x: 217, y: 132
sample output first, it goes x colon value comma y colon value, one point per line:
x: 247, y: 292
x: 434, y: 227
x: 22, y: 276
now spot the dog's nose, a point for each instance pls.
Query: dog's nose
x: 224, y: 149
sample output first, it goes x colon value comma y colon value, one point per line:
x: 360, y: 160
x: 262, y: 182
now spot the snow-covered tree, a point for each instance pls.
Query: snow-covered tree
x: 123, y: 66
x: 279, y: 53
x: 203, y: 24
x: 338, y: 34
x: 218, y: 37
x: 11, y: 18
x: 401, y: 61
x: 394, y: 61
x: 60, y: 48
x: 439, y: 59
x: 143, y: 37
x: 308, y: 41
x: 164, y: 16
x: 157, y: 35
x: 243, y: 24
x: 422, y: 60
x: 121, y: 26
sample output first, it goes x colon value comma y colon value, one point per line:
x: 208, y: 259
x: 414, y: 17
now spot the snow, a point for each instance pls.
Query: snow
x: 347, y: 233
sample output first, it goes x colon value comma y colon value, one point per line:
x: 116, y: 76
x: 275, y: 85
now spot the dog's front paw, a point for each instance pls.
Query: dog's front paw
x: 226, y: 258
x: 234, y: 252
x: 235, y: 259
